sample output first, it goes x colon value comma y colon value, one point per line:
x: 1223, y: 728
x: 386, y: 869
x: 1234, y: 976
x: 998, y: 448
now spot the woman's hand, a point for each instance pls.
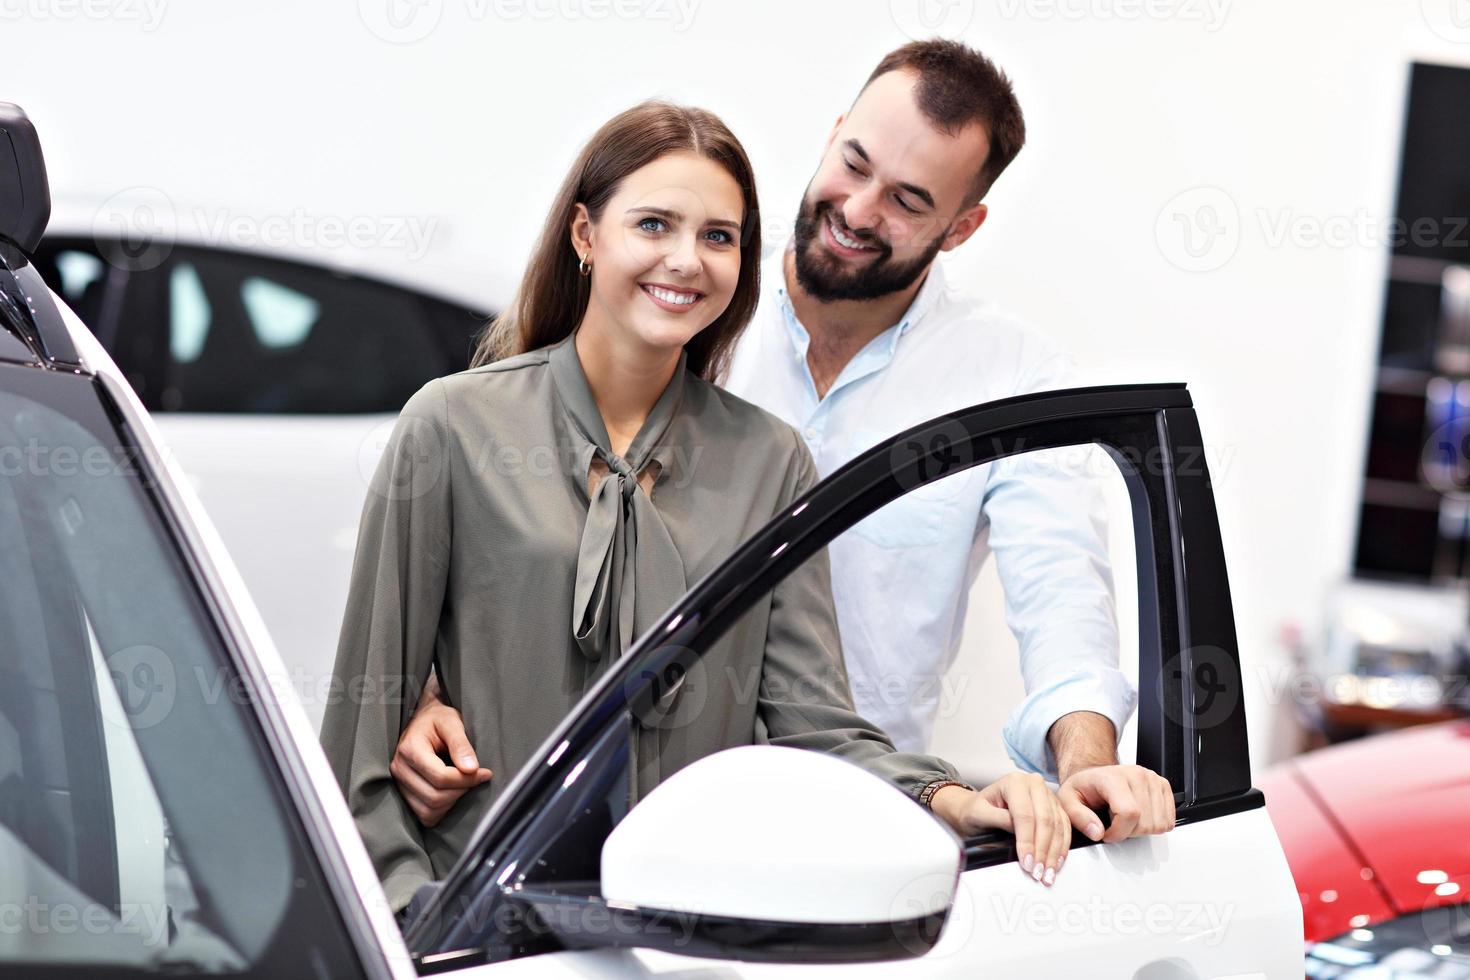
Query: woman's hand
x: 1021, y: 803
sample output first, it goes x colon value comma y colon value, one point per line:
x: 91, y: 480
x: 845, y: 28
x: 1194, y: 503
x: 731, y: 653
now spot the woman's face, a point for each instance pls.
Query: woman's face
x: 665, y: 253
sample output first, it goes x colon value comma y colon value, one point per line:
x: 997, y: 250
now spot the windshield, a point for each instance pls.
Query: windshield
x: 142, y: 825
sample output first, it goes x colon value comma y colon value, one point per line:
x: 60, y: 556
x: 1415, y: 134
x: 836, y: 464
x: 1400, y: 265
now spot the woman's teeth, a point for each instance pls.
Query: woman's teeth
x: 669, y: 296
x: 843, y: 240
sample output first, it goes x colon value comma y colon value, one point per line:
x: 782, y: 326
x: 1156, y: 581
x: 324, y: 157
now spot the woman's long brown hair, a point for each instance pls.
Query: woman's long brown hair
x: 552, y: 296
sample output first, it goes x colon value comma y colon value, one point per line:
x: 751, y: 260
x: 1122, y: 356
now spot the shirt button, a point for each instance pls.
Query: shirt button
x: 811, y: 433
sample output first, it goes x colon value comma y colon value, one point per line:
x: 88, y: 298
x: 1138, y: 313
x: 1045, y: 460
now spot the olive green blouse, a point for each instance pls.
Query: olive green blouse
x: 481, y: 552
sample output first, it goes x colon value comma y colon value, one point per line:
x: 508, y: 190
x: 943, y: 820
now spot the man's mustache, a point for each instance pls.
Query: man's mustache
x: 823, y: 208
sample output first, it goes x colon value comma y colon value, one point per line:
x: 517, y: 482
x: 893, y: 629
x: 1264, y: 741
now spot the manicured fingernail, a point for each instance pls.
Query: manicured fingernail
x: 1049, y: 877
x: 1038, y: 872
x: 1026, y: 863
x: 1094, y: 830
x: 1061, y: 861
x: 467, y: 760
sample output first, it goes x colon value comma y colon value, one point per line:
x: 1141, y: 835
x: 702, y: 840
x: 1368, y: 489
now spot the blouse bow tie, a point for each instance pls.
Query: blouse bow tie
x: 629, y: 573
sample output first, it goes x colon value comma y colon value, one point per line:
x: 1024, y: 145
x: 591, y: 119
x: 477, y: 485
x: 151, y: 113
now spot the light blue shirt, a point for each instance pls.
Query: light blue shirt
x: 902, y: 577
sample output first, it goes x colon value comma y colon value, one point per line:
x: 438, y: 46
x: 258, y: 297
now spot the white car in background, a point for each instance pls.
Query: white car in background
x: 275, y: 380
x: 165, y: 808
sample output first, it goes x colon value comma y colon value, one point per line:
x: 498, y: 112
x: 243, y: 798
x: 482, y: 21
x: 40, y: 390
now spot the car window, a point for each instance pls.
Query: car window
x: 132, y: 778
x: 214, y: 330
x: 254, y: 335
x: 1120, y: 508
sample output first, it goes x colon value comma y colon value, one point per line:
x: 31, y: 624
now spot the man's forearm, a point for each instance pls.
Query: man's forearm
x: 1081, y: 740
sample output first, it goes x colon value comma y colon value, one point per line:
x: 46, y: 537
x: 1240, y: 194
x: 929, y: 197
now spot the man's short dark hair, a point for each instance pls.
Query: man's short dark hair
x: 959, y: 86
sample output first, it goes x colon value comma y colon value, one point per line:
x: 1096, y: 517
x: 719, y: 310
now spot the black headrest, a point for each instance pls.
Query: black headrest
x: 25, y: 195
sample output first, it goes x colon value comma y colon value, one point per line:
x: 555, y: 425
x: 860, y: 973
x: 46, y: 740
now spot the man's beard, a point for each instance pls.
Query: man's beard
x: 827, y: 280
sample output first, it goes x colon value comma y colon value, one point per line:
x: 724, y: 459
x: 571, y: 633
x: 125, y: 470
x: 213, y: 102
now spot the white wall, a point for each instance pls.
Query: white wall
x: 1290, y: 110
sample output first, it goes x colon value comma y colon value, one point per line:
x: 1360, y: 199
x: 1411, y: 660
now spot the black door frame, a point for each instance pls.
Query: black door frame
x: 1191, y: 724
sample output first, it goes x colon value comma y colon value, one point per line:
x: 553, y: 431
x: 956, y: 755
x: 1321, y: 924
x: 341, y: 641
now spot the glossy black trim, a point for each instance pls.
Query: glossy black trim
x: 999, y: 847
x: 580, y: 918
x: 29, y: 314
x: 1185, y: 623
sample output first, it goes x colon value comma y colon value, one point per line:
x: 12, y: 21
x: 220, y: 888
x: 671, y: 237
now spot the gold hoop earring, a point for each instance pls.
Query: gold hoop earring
x: 584, y: 267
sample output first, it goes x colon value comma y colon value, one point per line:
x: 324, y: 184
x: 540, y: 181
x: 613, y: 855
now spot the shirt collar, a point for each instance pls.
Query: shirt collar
x: 886, y: 343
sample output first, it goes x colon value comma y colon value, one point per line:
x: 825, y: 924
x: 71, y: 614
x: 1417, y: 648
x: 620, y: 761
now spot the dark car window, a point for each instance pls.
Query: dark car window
x: 142, y: 823
x: 215, y: 330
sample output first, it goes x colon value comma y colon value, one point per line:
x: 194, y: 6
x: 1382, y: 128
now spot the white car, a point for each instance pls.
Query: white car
x: 275, y: 379
x: 165, y: 807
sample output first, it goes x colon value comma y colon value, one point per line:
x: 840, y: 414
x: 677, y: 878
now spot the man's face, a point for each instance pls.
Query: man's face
x: 891, y: 192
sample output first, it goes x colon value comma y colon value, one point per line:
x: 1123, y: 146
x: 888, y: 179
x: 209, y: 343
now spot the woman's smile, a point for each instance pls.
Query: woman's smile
x: 671, y: 298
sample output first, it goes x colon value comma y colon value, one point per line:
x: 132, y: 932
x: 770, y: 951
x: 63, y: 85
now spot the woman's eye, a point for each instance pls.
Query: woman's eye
x: 652, y: 224
x: 722, y: 237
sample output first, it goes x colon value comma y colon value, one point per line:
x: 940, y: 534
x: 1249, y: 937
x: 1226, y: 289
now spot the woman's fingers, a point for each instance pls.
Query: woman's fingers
x: 1040, y: 800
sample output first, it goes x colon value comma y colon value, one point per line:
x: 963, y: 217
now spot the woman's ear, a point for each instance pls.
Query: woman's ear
x: 581, y: 230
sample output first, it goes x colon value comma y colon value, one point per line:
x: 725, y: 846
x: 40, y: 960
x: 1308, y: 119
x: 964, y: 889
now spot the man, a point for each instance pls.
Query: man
x: 857, y: 337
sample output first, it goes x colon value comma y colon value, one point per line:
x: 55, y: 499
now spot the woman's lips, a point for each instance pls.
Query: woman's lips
x: 669, y: 298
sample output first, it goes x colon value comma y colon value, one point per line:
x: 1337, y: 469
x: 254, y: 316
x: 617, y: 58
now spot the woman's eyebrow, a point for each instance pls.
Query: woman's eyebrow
x: 676, y: 216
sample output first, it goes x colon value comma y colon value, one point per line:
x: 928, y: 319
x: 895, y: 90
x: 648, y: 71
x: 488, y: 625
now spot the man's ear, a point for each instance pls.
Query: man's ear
x: 963, y: 226
x: 580, y: 230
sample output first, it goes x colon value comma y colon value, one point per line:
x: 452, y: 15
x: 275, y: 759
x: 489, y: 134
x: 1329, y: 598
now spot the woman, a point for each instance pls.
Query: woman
x: 535, y: 513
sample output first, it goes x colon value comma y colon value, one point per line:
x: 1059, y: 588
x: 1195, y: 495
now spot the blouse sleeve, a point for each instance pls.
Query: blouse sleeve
x: 805, y: 699
x: 394, y: 600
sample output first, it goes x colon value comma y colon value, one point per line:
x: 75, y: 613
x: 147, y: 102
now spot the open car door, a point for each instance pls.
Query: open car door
x: 1213, y: 898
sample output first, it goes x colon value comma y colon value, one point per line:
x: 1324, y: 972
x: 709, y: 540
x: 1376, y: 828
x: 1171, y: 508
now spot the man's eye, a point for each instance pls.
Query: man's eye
x: 652, y: 224
x: 851, y: 168
x: 905, y: 205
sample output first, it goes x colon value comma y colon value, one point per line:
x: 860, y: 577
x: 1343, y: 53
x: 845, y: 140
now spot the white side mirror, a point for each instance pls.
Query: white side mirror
x: 761, y: 852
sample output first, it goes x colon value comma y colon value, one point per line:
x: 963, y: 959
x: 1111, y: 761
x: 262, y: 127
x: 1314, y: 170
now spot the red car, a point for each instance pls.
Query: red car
x: 1377, y: 833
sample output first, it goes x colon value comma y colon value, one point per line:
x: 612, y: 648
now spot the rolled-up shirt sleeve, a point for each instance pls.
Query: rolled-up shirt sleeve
x: 1047, y: 526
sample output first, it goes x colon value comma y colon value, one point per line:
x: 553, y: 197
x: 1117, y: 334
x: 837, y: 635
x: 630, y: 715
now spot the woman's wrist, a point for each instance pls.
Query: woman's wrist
x: 944, y: 799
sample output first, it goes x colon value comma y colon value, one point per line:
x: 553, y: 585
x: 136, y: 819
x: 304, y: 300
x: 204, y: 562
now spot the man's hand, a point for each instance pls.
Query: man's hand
x: 1021, y: 803
x: 430, y: 785
x: 1141, y: 801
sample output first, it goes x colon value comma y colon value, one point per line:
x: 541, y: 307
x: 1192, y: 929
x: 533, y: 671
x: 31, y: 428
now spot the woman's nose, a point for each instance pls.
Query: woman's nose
x: 683, y: 258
